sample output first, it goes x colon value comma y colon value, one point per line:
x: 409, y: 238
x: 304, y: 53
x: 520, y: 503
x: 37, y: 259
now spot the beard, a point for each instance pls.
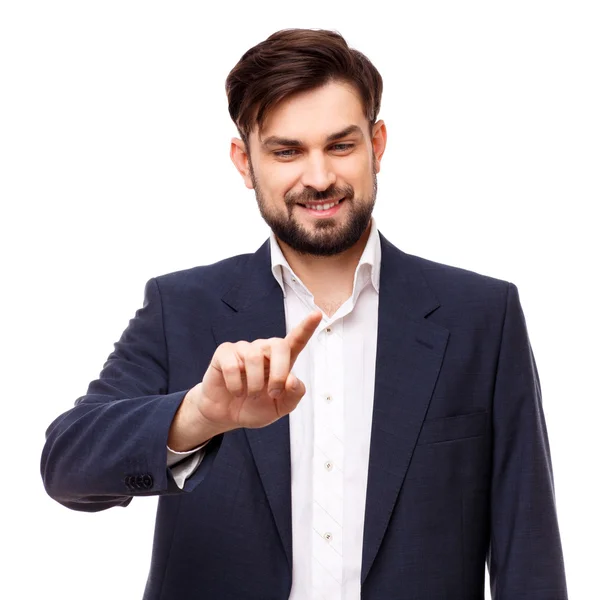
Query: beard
x: 328, y: 236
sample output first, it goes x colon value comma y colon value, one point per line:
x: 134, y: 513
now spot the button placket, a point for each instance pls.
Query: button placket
x: 328, y: 451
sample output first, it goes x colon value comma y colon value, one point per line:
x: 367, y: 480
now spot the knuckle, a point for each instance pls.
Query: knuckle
x: 241, y: 347
x: 222, y: 350
x: 279, y: 344
x: 254, y: 355
x: 230, y: 367
x: 280, y: 348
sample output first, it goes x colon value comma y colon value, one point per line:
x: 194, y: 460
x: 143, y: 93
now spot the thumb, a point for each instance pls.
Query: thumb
x: 295, y: 386
x: 294, y: 389
x: 293, y: 383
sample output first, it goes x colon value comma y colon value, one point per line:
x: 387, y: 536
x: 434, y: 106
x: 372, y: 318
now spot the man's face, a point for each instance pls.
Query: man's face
x: 316, y: 146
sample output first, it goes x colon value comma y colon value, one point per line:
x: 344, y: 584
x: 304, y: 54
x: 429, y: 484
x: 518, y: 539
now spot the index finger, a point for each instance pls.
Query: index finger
x: 299, y: 336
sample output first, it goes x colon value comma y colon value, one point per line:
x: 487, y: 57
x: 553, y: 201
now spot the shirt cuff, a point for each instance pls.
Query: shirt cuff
x: 181, y: 468
x: 174, y: 457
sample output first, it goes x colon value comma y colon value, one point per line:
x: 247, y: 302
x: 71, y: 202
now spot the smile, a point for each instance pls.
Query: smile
x: 326, y: 209
x: 323, y: 206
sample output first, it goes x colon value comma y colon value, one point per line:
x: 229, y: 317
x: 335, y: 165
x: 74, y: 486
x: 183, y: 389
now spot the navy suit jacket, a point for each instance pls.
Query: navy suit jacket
x: 459, y: 466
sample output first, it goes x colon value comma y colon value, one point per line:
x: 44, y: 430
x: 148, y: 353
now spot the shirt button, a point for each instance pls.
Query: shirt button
x: 329, y: 465
x: 327, y: 536
x: 294, y: 279
x: 328, y: 330
x: 328, y: 398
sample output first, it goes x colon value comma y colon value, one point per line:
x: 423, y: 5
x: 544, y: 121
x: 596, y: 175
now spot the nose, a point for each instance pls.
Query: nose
x: 318, y: 173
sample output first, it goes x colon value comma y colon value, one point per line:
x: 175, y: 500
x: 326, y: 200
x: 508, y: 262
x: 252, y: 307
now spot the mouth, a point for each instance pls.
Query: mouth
x: 323, y: 209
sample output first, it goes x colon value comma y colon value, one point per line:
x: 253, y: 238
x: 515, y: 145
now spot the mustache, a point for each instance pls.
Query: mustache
x: 312, y: 195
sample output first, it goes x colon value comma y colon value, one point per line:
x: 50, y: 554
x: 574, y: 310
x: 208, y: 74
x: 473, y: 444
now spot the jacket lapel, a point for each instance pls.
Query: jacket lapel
x: 410, y: 350
x: 257, y: 301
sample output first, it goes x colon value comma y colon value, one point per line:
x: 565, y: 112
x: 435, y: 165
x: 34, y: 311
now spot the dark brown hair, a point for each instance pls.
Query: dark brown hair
x: 296, y: 60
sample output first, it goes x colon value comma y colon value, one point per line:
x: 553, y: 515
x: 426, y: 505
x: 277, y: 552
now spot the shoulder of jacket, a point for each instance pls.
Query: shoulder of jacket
x: 216, y: 277
x: 458, y: 284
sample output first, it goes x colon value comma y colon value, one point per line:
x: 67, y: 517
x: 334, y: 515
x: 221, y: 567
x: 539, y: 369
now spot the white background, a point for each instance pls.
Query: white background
x: 114, y: 168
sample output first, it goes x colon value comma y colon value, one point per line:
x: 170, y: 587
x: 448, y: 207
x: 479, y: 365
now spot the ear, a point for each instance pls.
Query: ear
x: 239, y: 157
x: 379, y: 140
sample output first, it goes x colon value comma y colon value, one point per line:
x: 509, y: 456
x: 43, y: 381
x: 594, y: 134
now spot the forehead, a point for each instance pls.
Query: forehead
x: 314, y: 115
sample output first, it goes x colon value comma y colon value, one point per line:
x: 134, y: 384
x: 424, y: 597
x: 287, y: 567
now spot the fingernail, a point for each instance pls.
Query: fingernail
x: 294, y: 383
x: 275, y: 393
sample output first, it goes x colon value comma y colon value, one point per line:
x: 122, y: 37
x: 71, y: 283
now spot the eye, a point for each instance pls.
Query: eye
x: 285, y: 153
x: 342, y: 147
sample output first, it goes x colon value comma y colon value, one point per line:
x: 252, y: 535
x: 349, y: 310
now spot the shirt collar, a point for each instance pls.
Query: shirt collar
x: 368, y: 268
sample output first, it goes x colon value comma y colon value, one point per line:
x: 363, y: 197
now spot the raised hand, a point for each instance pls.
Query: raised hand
x: 247, y: 384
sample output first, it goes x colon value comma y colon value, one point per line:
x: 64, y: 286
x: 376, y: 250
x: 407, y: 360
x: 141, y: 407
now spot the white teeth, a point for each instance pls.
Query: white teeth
x: 325, y: 206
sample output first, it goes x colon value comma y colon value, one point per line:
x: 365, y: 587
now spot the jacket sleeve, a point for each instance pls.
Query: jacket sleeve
x: 112, y: 445
x: 525, y: 559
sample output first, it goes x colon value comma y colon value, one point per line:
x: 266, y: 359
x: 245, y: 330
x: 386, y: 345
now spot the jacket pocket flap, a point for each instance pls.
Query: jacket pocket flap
x: 445, y: 429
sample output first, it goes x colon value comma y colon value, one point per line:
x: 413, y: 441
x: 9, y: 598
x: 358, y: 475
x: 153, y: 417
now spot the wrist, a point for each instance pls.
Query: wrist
x: 189, y: 429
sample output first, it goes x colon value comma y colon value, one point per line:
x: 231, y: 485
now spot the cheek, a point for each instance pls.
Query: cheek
x: 277, y: 182
x: 356, y: 173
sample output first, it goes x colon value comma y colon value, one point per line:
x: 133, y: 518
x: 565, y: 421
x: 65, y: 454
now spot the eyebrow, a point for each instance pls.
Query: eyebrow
x: 274, y: 140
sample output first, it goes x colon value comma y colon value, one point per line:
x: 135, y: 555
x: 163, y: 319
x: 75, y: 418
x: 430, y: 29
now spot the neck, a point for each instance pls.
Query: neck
x: 327, y: 277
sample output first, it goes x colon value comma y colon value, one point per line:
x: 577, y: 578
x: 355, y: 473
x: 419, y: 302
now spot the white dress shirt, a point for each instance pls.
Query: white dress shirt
x: 330, y: 430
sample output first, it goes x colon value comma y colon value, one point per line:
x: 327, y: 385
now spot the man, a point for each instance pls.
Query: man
x: 328, y: 417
